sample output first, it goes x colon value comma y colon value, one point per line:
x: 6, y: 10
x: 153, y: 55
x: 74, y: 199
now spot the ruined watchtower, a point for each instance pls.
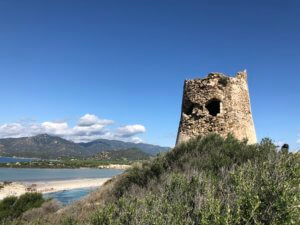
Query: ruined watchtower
x: 216, y: 104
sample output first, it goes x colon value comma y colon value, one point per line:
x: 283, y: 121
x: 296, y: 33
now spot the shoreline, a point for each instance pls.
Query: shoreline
x: 43, y: 187
x: 18, y: 165
x: 115, y: 166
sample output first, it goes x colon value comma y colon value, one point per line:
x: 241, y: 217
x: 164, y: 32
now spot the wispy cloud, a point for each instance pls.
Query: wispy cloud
x: 88, y: 128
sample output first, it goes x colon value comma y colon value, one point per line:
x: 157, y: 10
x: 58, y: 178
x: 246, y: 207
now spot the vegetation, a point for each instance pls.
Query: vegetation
x: 13, y: 207
x: 126, y: 156
x: 64, y: 163
x: 207, y: 180
x: 130, y: 154
x: 4, y: 183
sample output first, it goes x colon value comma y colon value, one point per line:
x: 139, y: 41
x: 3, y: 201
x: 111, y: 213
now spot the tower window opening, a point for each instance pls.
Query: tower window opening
x: 188, y: 107
x: 213, y: 107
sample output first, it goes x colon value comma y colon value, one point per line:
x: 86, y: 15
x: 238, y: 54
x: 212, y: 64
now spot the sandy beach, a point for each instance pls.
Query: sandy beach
x: 115, y: 166
x: 19, y: 188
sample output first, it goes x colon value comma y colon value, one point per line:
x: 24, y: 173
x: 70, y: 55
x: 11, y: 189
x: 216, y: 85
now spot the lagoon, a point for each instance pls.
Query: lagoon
x: 69, y: 196
x: 13, y: 159
x: 28, y: 176
x: 33, y: 175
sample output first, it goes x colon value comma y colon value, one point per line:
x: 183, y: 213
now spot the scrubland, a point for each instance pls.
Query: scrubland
x: 208, y: 180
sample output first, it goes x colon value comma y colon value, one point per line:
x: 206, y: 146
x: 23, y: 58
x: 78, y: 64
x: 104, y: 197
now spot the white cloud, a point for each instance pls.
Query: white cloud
x: 128, y: 133
x: 136, y: 140
x: 88, y: 128
x: 55, y: 128
x: 130, y: 130
x: 89, y: 120
x: 11, y: 130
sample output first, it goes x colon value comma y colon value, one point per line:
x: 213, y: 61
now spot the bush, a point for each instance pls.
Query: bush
x: 253, y: 193
x: 48, y: 207
x: 210, y: 154
x: 209, y: 181
x: 7, y: 207
x: 13, y: 207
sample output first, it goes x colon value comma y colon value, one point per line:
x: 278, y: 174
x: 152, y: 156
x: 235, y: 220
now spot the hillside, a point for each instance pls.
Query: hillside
x: 40, y: 146
x: 101, y: 160
x: 131, y: 154
x: 106, y: 145
x: 205, y: 181
x: 46, y: 146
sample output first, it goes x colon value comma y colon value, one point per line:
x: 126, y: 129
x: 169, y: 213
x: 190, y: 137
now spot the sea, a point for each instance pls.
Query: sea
x: 34, y: 174
x: 13, y: 159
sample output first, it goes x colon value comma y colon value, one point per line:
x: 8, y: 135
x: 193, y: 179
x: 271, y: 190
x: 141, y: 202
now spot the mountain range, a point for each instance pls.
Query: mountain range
x: 51, y: 147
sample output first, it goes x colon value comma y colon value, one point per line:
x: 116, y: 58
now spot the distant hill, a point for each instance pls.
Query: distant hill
x: 49, y: 147
x: 124, y: 154
x: 105, y: 144
x: 40, y: 146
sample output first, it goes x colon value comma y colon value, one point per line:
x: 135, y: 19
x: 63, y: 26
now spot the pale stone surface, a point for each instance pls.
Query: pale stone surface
x: 216, y: 104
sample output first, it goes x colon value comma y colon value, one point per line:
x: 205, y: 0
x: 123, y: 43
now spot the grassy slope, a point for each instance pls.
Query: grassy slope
x: 205, y: 181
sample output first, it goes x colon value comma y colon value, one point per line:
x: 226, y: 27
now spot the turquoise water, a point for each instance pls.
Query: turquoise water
x: 32, y: 175
x: 69, y: 196
x: 65, y: 197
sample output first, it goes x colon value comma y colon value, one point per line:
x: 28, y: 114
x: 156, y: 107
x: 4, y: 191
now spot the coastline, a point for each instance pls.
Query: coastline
x: 19, y: 188
x: 42, y: 164
x: 115, y: 166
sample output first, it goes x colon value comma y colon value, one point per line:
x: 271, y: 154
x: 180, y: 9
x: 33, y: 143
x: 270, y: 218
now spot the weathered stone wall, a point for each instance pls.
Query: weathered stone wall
x: 216, y: 104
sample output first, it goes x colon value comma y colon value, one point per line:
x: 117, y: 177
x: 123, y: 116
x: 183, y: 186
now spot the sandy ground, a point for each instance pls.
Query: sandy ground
x: 115, y: 166
x: 18, y: 188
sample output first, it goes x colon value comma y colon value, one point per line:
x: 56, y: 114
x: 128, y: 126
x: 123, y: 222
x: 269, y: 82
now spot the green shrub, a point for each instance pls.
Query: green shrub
x: 69, y: 221
x: 7, y: 207
x: 254, y: 193
x: 209, y: 154
x: 209, y: 181
x: 206, y: 181
x: 13, y: 207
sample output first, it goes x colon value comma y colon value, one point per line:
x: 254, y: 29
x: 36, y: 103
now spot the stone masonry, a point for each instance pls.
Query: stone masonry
x: 216, y: 104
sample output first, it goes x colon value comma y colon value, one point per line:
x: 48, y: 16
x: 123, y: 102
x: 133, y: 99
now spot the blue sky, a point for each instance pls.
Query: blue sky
x: 120, y: 65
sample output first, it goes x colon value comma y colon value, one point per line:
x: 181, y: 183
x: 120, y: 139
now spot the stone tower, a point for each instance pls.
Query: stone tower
x: 216, y: 104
